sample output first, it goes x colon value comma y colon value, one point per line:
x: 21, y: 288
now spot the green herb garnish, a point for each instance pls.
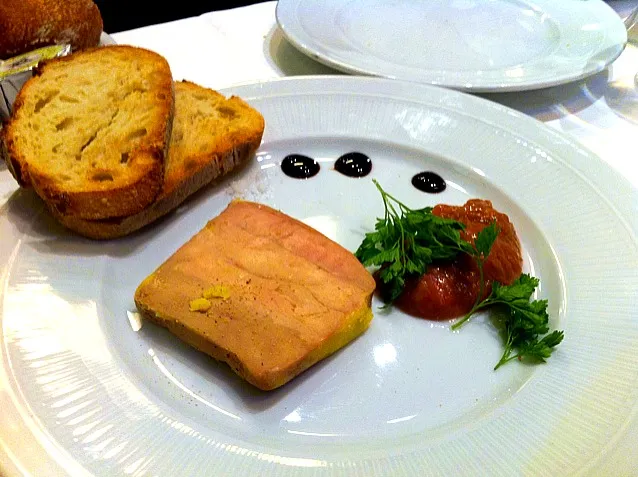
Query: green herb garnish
x: 523, y: 323
x: 406, y: 241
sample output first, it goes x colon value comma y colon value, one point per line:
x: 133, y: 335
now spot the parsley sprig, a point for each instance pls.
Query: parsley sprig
x: 406, y: 241
x: 523, y: 322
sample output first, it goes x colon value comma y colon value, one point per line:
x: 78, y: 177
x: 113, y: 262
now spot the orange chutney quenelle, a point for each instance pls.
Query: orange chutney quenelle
x: 448, y: 290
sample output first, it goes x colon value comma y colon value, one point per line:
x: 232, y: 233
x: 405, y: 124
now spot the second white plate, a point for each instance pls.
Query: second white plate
x: 471, y: 45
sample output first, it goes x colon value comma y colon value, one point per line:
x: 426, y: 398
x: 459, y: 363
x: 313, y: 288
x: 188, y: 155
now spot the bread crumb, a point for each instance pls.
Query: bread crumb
x: 252, y: 186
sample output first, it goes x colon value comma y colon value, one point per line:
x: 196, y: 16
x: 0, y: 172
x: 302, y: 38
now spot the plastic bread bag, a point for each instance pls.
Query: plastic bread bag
x: 14, y: 72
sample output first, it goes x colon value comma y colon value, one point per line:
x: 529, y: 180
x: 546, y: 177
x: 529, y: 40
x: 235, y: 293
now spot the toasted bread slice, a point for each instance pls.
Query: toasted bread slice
x: 90, y: 131
x: 211, y: 136
x: 262, y: 292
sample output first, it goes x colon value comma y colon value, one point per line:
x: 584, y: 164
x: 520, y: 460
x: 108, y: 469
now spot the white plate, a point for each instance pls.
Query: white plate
x: 471, y: 45
x: 84, y: 391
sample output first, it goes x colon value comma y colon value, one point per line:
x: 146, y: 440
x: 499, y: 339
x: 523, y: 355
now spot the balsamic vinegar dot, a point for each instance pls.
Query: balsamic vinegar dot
x: 354, y: 164
x: 299, y: 166
x: 429, y: 181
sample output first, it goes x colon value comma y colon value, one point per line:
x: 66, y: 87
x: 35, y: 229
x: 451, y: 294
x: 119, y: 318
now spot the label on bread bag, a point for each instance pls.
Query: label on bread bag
x: 28, y: 61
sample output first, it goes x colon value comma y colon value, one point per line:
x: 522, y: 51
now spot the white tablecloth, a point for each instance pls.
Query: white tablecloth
x: 225, y: 48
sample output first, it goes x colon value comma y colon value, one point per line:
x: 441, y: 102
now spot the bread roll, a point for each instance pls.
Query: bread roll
x: 29, y: 24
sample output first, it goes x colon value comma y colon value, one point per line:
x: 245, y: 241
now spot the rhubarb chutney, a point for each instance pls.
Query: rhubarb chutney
x: 448, y: 290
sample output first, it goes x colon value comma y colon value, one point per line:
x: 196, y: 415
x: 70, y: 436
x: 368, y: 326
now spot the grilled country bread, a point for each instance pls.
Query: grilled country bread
x: 313, y: 295
x: 29, y: 24
x: 90, y: 131
x: 211, y: 136
x: 206, y: 128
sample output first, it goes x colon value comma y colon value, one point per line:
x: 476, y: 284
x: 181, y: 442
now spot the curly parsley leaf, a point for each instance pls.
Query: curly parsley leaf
x: 524, y: 321
x: 405, y: 241
x: 485, y: 239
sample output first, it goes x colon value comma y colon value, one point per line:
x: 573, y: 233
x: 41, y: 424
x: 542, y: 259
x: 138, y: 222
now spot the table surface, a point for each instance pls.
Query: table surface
x: 243, y: 45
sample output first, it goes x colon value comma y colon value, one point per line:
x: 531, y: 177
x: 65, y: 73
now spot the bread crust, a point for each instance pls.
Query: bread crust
x: 113, y: 202
x: 12, y: 164
x: 30, y: 24
x: 142, y: 182
x: 115, y: 228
